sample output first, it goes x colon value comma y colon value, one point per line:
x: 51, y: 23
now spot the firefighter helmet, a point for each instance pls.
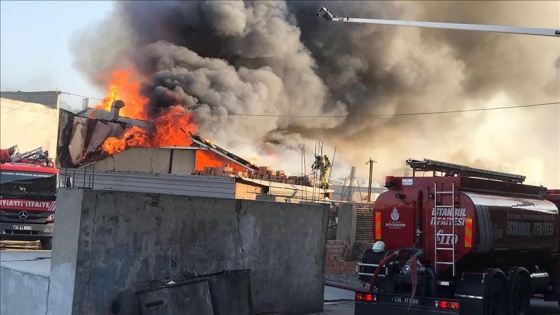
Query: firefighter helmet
x: 378, y: 246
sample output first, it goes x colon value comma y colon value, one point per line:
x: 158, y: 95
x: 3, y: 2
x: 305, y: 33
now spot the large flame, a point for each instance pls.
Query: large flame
x: 123, y: 87
x: 133, y: 137
x: 172, y: 127
x: 206, y: 158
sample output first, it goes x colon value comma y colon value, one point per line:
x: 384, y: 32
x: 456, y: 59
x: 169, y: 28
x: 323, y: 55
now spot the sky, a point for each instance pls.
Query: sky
x: 35, y: 53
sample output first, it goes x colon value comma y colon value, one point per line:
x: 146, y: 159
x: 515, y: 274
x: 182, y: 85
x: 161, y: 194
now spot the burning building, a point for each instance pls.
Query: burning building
x: 120, y: 121
x: 202, y: 169
x: 117, y: 139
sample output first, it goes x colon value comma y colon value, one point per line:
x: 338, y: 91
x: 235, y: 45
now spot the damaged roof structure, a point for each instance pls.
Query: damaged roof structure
x: 81, y: 156
x: 81, y: 135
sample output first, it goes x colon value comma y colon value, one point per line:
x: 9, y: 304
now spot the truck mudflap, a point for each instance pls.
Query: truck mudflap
x: 369, y: 303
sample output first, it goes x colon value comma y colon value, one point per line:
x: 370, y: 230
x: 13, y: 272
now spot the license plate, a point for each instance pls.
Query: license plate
x: 22, y: 228
x: 406, y: 300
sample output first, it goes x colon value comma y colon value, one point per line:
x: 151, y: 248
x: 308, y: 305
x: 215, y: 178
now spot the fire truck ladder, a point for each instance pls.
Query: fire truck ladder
x: 444, y: 236
x: 451, y: 169
x: 36, y: 154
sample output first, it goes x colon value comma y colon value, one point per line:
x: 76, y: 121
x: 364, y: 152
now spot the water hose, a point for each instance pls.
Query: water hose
x: 414, y: 277
x: 379, y: 267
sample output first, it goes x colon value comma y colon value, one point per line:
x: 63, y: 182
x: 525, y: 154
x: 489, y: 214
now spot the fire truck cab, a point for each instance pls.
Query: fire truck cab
x: 28, y: 183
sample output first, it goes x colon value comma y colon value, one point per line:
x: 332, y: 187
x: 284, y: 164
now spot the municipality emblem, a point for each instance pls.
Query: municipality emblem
x: 395, y: 214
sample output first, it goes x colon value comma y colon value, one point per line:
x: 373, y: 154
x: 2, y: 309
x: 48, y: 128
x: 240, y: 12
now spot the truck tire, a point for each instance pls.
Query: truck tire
x: 46, y: 244
x: 520, y: 295
x: 496, y: 297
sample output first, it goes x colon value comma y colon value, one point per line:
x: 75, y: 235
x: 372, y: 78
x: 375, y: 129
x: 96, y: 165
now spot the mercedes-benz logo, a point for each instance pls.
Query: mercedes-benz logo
x: 23, y: 215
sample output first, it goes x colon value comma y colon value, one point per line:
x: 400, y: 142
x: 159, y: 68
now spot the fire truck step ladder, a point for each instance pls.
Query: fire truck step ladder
x: 444, y: 236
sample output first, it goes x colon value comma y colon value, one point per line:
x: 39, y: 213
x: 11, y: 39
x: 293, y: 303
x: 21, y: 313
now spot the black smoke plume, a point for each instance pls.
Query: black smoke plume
x: 266, y: 77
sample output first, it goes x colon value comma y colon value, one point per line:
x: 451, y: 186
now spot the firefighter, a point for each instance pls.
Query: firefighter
x: 322, y: 164
x: 372, y: 255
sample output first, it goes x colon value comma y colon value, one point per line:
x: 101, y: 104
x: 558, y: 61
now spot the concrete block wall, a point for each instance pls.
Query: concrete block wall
x: 346, y: 229
x: 337, y: 259
x: 364, y: 223
x: 119, y: 241
x: 246, y: 191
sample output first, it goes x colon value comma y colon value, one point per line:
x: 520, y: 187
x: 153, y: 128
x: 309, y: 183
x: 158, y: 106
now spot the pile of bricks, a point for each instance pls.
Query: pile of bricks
x: 279, y: 176
x: 225, y: 171
x: 263, y: 173
x: 337, y: 253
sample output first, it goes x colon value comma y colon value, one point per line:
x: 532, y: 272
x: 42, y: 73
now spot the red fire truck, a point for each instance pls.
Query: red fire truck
x: 28, y: 183
x: 462, y: 241
x: 553, y: 195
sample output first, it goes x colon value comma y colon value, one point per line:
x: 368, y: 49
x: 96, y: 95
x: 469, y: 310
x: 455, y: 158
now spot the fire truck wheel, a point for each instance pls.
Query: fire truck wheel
x: 496, y: 297
x: 46, y: 244
x: 520, y: 293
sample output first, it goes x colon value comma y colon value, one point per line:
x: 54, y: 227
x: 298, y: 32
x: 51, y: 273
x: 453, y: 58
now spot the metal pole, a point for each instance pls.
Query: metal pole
x: 370, y: 162
x: 458, y: 26
x: 332, y: 164
x: 324, y: 12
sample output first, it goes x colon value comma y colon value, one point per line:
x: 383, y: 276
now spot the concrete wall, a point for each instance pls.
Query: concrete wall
x: 183, y: 162
x: 346, y: 229
x: 28, y: 125
x: 64, y: 258
x: 151, y: 160
x: 22, y: 292
x: 46, y: 98
x: 184, y: 185
x: 126, y: 239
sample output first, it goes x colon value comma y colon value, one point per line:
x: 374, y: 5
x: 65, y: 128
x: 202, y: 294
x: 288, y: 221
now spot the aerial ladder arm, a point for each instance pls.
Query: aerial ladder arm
x: 324, y: 12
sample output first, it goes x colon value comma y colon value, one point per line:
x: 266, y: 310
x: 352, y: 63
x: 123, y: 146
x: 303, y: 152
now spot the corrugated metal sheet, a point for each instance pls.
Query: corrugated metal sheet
x: 184, y: 185
x: 103, y: 115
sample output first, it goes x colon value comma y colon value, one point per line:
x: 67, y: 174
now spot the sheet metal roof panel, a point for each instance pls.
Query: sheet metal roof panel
x: 185, y: 185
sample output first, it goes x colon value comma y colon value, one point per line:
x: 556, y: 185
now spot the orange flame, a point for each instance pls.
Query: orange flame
x: 207, y: 158
x: 133, y: 137
x: 122, y: 87
x: 171, y: 129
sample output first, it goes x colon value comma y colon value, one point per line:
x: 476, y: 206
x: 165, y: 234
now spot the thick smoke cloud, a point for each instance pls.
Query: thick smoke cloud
x: 264, y: 78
